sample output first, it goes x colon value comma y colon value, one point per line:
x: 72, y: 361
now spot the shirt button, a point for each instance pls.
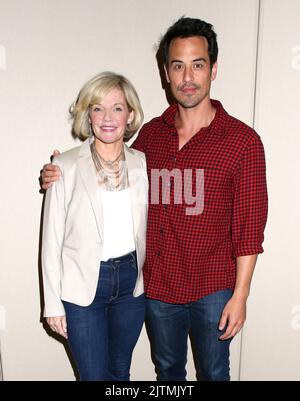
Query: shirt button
x: 158, y: 253
x: 161, y: 231
x: 165, y: 207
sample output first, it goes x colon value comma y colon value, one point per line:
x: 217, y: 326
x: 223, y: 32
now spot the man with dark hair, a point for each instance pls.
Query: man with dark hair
x: 199, y: 263
x: 188, y: 27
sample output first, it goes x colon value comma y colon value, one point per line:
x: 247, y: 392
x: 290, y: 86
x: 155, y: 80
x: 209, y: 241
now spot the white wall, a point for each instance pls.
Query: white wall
x: 48, y: 49
x: 271, y: 348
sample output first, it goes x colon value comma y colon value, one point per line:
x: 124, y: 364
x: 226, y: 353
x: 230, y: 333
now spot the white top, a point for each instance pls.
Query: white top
x: 118, y: 223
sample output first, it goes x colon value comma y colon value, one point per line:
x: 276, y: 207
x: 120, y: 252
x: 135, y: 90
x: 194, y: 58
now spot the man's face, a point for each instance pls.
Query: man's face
x: 189, y: 72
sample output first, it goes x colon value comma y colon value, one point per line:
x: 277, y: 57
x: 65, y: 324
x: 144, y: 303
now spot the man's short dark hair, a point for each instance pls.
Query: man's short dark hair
x: 187, y: 27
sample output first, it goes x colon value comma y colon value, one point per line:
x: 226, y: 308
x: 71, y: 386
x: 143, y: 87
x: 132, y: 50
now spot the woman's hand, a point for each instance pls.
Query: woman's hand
x: 58, y: 324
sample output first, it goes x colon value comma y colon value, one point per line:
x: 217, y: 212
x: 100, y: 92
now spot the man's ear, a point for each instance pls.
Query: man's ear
x: 214, y: 71
x: 166, y: 73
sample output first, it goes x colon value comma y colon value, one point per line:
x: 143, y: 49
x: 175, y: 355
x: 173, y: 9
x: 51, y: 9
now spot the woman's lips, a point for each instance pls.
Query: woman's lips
x: 108, y: 128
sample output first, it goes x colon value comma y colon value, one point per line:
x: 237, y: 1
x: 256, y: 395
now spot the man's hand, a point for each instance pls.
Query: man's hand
x: 50, y: 173
x: 58, y: 324
x: 234, y: 314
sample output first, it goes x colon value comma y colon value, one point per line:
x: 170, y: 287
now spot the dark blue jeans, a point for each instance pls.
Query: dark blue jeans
x: 169, y: 326
x: 102, y: 335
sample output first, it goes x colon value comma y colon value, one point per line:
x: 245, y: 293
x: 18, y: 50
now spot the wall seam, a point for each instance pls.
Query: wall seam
x: 257, y: 61
x: 259, y: 10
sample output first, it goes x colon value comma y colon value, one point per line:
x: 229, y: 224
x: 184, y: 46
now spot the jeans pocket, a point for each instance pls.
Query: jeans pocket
x: 133, y: 262
x: 134, y: 265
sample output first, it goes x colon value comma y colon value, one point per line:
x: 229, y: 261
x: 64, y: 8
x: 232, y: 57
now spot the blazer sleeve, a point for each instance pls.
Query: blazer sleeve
x: 53, y: 235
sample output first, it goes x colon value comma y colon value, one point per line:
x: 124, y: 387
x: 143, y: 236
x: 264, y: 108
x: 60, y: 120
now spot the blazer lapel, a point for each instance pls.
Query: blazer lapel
x: 86, y: 170
x: 134, y: 173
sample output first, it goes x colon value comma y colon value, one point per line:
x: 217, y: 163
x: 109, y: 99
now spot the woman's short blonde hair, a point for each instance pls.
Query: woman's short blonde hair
x: 93, y: 92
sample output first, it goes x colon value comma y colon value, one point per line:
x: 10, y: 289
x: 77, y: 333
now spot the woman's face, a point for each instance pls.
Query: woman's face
x: 109, y: 118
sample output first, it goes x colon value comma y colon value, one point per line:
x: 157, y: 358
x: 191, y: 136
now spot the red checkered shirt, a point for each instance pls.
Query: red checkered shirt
x: 191, y: 256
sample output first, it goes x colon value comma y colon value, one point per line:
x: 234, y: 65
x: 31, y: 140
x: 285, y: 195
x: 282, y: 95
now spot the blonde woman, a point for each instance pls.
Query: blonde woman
x: 94, y: 232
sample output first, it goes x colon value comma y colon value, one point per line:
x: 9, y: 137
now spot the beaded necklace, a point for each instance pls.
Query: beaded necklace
x: 112, y: 174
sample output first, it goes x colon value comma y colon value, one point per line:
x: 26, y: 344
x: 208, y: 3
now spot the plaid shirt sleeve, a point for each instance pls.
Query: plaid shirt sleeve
x: 140, y: 141
x: 250, y: 203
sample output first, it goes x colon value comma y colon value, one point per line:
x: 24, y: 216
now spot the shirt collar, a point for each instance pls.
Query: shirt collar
x: 216, y: 126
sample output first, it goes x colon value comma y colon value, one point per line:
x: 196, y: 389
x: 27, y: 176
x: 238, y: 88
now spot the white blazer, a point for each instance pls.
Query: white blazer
x: 73, y: 228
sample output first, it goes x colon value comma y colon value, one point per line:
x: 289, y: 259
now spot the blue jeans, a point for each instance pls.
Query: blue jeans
x: 169, y: 326
x: 102, y: 335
